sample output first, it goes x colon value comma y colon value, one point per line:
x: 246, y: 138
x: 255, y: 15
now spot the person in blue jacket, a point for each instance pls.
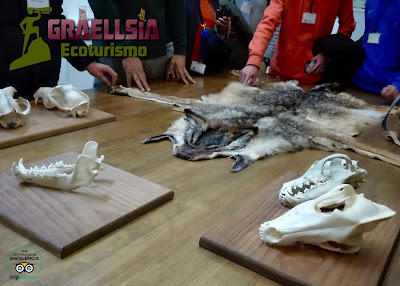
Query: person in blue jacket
x: 381, y: 41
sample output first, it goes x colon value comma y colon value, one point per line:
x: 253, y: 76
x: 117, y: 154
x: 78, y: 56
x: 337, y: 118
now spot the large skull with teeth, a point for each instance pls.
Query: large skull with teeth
x: 334, y: 221
x: 323, y: 176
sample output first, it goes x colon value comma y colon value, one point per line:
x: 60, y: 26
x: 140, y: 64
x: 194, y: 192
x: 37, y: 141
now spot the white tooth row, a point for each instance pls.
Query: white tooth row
x: 48, y: 173
x: 315, y: 183
x: 59, y: 164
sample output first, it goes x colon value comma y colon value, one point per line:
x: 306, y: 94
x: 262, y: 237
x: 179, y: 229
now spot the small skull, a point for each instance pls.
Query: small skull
x: 11, y: 114
x: 64, y: 97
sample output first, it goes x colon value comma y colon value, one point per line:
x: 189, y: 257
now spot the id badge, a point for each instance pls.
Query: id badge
x: 35, y: 4
x: 246, y: 7
x: 309, y: 18
x: 198, y: 67
x: 373, y: 38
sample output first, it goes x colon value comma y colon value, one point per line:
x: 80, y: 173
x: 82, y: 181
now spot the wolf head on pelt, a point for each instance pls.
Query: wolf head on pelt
x: 248, y: 123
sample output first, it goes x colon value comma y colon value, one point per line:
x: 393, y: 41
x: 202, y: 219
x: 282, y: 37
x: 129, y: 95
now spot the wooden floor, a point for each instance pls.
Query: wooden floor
x: 161, y: 247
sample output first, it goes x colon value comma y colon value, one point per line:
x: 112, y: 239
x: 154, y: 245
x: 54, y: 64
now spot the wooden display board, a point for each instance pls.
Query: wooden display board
x: 42, y: 122
x: 63, y: 222
x: 237, y: 239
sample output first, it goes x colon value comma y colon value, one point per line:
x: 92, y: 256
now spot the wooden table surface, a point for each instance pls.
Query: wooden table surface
x: 161, y: 247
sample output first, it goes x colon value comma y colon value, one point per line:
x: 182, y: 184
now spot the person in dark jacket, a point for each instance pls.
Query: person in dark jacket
x: 165, y: 55
x: 44, y: 74
x: 240, y: 33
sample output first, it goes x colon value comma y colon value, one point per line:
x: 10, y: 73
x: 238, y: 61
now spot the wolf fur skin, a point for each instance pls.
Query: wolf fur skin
x: 248, y: 123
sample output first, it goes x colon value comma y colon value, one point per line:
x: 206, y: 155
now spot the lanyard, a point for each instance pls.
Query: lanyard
x: 312, y: 3
x: 201, y: 15
x: 204, y: 35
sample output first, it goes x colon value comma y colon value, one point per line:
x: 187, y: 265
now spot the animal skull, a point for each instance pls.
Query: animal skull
x: 321, y: 177
x: 62, y: 176
x: 334, y: 221
x: 11, y: 114
x: 64, y: 97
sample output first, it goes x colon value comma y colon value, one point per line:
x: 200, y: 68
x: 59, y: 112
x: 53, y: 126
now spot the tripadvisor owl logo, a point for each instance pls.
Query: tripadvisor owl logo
x: 38, y: 51
x: 24, y: 263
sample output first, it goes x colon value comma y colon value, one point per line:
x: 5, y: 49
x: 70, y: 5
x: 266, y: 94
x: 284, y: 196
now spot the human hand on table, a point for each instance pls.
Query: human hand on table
x: 248, y: 75
x: 176, y: 68
x: 390, y: 92
x: 134, y: 70
x: 103, y: 72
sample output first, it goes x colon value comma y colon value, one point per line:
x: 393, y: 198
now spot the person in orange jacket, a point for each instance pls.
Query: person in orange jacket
x: 302, y: 23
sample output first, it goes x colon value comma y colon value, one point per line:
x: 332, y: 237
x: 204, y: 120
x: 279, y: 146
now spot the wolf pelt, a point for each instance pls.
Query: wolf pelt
x: 248, y: 123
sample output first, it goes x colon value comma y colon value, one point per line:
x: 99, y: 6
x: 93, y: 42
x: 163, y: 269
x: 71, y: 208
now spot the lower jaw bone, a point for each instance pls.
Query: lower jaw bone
x: 61, y: 176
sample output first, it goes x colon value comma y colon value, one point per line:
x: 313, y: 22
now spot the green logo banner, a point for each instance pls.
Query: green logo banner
x: 38, y: 51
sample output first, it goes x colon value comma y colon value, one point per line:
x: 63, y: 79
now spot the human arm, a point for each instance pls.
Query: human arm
x: 176, y: 23
x: 79, y: 63
x: 346, y: 18
x: 391, y: 91
x: 265, y: 30
x: 101, y: 71
x: 82, y: 63
x: 272, y: 18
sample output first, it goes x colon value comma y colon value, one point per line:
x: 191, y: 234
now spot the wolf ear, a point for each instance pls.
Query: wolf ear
x: 195, y: 118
